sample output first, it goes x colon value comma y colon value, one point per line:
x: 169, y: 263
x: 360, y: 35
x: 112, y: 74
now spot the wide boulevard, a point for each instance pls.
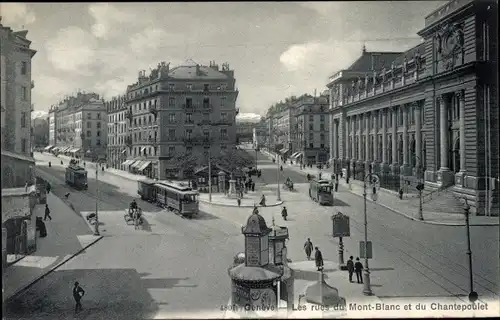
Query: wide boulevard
x: 180, y: 265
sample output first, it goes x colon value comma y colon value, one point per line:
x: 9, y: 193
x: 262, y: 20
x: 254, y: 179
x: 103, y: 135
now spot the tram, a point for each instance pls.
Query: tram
x: 76, y: 176
x: 146, y: 189
x: 321, y: 191
x: 178, y: 197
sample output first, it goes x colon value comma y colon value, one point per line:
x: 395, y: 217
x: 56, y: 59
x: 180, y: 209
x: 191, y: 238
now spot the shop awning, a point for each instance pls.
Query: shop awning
x: 284, y: 151
x: 297, y: 155
x: 124, y: 150
x: 128, y: 162
x: 144, y: 165
x: 142, y: 150
x: 47, y: 147
x: 55, y: 149
x: 76, y: 150
x: 137, y: 164
x: 66, y: 149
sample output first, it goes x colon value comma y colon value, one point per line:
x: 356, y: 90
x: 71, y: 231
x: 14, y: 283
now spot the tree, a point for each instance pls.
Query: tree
x: 234, y: 160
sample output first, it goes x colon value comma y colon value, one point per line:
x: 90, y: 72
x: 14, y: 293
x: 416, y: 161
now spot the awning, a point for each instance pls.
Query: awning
x: 55, y: 149
x: 297, y: 155
x: 142, y: 150
x: 65, y: 149
x: 284, y: 151
x: 128, y: 162
x: 294, y: 154
x: 47, y: 147
x: 124, y: 150
x: 144, y: 165
x: 76, y: 150
x: 137, y: 164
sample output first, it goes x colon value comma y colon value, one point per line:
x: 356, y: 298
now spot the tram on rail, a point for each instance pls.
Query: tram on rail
x: 76, y: 176
x: 178, y: 197
x: 321, y: 191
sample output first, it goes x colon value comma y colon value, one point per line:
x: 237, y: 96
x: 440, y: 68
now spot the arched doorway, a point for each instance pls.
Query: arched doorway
x: 456, y: 156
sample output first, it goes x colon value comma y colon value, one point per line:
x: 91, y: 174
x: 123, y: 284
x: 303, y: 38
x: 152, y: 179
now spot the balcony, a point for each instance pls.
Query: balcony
x: 188, y: 140
x: 223, y: 122
x: 188, y: 106
x: 189, y: 121
x: 205, y: 122
x: 171, y: 138
x: 206, y: 107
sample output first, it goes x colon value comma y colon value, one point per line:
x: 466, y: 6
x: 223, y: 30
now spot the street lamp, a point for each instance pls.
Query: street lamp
x: 96, y: 226
x: 420, y: 188
x: 278, y: 195
x: 473, y: 296
x: 372, y: 180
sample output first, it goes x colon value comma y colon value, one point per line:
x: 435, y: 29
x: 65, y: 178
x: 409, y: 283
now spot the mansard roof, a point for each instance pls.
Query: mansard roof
x: 380, y: 59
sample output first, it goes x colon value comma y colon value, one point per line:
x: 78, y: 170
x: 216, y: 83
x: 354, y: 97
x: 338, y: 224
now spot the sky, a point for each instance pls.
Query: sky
x: 277, y: 49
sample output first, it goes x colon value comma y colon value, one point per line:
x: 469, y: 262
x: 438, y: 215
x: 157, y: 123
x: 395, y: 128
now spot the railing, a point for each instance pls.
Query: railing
x: 188, y: 106
x: 204, y: 122
x: 433, y: 194
x: 188, y: 121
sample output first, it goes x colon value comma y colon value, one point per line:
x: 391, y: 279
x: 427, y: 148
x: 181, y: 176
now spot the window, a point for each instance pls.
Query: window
x: 223, y: 86
x: 89, y: 133
x: 99, y: 115
x: 223, y: 134
x: 189, y: 86
x: 189, y: 118
x: 189, y: 133
x: 400, y: 116
x: 171, y: 117
x: 24, y: 93
x: 222, y: 101
x: 311, y: 145
x: 139, y: 121
x: 89, y: 115
x: 223, y: 116
x: 171, y: 102
x: 206, y: 87
x: 24, y: 68
x: 322, y: 117
x: 322, y: 126
x: 171, y: 86
x: 23, y: 119
x: 389, y: 119
x: 322, y: 145
x: 189, y: 102
x: 139, y: 136
x: 206, y: 134
x: 223, y: 147
x: 189, y: 150
x: 206, y: 102
x: 98, y: 124
x: 171, y: 133
x: 311, y: 126
x: 98, y: 133
x: 98, y: 142
x: 311, y: 117
x: 23, y: 145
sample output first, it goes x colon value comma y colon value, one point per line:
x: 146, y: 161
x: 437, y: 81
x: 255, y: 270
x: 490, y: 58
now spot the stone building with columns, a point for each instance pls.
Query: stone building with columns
x: 429, y: 113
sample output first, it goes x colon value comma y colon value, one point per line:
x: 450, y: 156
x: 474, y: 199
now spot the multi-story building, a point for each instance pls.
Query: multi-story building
x: 80, y: 124
x: 312, y: 133
x: 117, y: 131
x: 270, y: 133
x: 284, y: 130
x: 261, y: 133
x: 15, y: 95
x: 429, y: 113
x: 52, y: 126
x: 179, y: 113
x: 40, y: 129
x: 244, y: 131
x: 18, y: 165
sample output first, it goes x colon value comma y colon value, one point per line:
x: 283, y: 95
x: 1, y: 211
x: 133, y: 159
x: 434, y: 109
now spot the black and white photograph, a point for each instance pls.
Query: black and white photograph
x: 250, y: 160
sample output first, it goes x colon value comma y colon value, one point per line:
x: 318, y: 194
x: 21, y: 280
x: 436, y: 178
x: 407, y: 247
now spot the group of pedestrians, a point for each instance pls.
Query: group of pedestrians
x: 352, y: 267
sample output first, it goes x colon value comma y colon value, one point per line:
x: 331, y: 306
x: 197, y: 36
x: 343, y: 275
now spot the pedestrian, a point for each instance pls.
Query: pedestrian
x: 350, y: 267
x: 318, y: 257
x: 47, y: 213
x: 358, y: 267
x: 78, y: 293
x: 253, y: 186
x: 308, y: 247
x: 238, y: 201
x: 401, y: 194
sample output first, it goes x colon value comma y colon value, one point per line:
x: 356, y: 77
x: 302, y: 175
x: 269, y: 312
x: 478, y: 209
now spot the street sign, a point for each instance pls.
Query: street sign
x: 341, y: 226
x: 368, y: 249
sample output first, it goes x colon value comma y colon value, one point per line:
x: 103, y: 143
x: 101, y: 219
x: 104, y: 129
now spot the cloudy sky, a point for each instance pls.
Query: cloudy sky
x: 276, y: 48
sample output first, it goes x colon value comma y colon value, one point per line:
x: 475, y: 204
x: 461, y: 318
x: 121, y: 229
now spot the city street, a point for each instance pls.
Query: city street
x: 138, y: 273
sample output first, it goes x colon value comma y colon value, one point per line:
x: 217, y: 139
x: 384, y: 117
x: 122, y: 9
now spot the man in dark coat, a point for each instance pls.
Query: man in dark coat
x: 350, y: 268
x: 47, y: 213
x: 308, y: 247
x: 318, y: 257
x: 78, y: 293
x: 358, y: 267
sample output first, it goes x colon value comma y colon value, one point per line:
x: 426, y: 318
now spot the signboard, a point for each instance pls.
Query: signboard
x: 264, y: 298
x: 341, y: 225
x: 252, y: 252
x: 368, y: 248
x: 264, y: 250
x: 240, y: 295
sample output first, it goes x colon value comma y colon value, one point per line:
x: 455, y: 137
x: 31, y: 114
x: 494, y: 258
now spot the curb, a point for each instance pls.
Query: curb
x: 20, y: 291
x: 430, y: 222
x: 242, y: 206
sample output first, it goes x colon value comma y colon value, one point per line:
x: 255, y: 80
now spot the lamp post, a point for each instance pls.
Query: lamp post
x: 473, y: 296
x: 420, y: 188
x: 278, y: 194
x: 366, y: 278
x: 96, y: 226
x: 209, y: 176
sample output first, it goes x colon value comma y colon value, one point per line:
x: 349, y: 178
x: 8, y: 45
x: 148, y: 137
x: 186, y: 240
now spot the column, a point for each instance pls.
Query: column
x: 394, y: 134
x: 405, y: 166
x: 353, y: 141
x: 334, y: 142
x: 418, y: 141
x: 367, y: 141
x: 445, y: 176
x: 461, y: 104
x: 384, y: 136
x: 360, y: 141
x: 376, y: 160
x: 346, y: 138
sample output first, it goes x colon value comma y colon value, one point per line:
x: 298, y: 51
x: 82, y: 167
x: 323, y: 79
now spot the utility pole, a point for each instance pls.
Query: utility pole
x: 473, y: 296
x: 209, y: 175
x: 366, y: 278
x: 96, y: 226
x: 420, y: 188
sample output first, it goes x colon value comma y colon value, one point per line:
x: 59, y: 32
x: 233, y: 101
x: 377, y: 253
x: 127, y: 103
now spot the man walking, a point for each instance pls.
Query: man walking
x: 350, y: 268
x: 308, y: 247
x: 358, y: 267
x: 318, y: 257
x: 47, y: 213
x: 78, y: 293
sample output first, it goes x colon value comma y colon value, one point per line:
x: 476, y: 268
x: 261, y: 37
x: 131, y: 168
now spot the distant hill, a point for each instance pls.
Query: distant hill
x: 248, y: 117
x: 39, y: 114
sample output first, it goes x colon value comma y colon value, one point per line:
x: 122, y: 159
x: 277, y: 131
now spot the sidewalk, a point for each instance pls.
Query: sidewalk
x: 248, y: 201
x: 67, y: 236
x: 406, y: 207
x: 116, y: 172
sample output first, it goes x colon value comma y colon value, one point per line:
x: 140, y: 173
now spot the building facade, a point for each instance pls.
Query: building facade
x: 284, y: 125
x: 177, y: 113
x: 52, y: 126
x: 244, y: 131
x: 15, y: 96
x: 40, y: 130
x: 430, y: 113
x: 117, y: 131
x: 312, y: 130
